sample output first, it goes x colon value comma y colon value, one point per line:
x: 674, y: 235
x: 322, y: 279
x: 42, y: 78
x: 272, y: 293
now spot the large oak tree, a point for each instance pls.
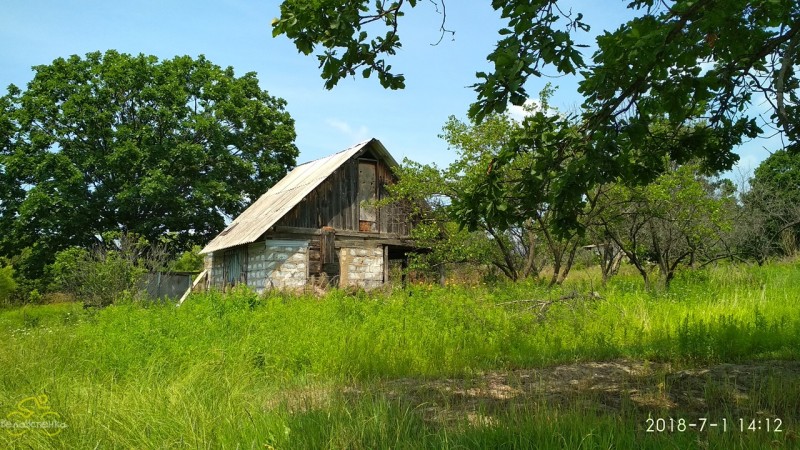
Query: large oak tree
x: 130, y: 143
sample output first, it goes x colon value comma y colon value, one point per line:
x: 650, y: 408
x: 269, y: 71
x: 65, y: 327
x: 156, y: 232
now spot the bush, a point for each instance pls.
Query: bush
x: 108, y: 272
x: 97, y: 277
x: 7, y: 283
x: 189, y: 261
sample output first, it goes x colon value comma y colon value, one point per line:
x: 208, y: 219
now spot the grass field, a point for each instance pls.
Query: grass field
x: 505, y: 366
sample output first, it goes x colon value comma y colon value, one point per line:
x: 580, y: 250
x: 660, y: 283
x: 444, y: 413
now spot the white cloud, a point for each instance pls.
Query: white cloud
x: 530, y: 106
x: 358, y: 134
x: 518, y: 113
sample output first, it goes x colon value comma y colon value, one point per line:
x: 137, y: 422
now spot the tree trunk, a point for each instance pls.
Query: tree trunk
x: 530, y: 264
x: 570, y: 261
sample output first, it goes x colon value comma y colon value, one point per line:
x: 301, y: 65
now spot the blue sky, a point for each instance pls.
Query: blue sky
x: 237, y: 33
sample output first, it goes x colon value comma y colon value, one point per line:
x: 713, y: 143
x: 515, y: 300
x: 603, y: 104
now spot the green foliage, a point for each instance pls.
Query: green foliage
x: 97, y: 278
x: 675, y: 63
x: 7, y: 283
x: 505, y: 213
x: 337, y: 26
x: 536, y: 168
x: 119, y: 142
x: 305, y: 372
x: 188, y: 261
x: 680, y: 219
x: 780, y: 175
x: 67, y: 263
x: 433, y: 191
x: 651, y: 66
x: 108, y: 272
x: 770, y: 215
x: 23, y: 286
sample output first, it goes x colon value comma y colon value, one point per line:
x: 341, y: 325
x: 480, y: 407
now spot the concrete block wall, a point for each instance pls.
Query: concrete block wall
x: 361, y: 267
x: 286, y: 264
x: 274, y: 264
x: 216, y: 275
x: 256, y: 266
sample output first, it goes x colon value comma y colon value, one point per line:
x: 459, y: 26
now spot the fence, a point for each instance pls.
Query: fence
x: 171, y: 285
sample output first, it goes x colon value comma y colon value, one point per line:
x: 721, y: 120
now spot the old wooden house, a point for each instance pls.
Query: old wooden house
x: 319, y: 224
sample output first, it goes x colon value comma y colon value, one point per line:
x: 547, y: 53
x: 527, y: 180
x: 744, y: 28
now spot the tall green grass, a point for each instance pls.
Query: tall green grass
x: 215, y: 372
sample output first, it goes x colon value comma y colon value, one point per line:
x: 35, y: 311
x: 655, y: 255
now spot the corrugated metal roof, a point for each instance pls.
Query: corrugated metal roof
x: 285, y: 195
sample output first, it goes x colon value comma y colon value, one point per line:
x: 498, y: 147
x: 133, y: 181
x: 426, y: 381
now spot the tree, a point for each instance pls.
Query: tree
x: 770, y: 212
x: 678, y: 61
x: 7, y: 283
x: 652, y: 64
x: 780, y: 174
x: 425, y: 193
x: 508, y: 250
x: 512, y: 247
x: 766, y: 225
x: 129, y: 143
x: 516, y: 233
x: 678, y: 220
x: 189, y: 261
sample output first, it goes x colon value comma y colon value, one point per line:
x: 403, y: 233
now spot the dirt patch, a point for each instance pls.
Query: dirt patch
x: 768, y: 389
x: 300, y: 400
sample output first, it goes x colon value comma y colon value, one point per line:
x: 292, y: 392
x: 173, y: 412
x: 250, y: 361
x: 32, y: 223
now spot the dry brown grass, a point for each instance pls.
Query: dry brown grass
x: 737, y: 390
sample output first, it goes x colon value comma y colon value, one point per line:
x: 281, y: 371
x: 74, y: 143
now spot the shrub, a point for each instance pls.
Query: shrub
x: 107, y: 272
x: 189, y: 261
x: 7, y: 283
x: 97, y: 277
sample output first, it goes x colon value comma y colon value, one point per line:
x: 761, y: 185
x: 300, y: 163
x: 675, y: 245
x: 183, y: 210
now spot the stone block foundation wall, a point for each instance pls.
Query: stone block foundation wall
x: 361, y: 267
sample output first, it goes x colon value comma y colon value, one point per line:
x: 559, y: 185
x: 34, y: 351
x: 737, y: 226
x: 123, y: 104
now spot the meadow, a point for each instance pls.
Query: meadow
x: 506, y: 365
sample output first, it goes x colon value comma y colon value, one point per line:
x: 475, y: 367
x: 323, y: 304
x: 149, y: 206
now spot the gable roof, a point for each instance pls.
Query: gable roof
x: 286, y: 194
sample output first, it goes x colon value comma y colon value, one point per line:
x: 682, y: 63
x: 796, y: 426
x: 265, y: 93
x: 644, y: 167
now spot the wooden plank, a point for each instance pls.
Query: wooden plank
x: 326, y: 246
x: 243, y: 256
x: 344, y: 204
x: 197, y: 280
x: 384, y: 212
x: 296, y: 230
x: 289, y: 236
x: 339, y: 190
x: 385, y: 263
x: 356, y: 206
x: 367, y: 193
x: 314, y: 257
x: 368, y: 235
x: 372, y: 243
x: 345, y: 233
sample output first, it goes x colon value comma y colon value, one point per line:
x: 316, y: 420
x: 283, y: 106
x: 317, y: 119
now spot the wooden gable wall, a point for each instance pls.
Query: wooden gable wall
x: 336, y: 202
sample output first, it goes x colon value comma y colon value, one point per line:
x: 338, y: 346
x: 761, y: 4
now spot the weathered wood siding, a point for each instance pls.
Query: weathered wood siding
x: 332, y: 203
x: 367, y: 195
x: 234, y: 265
x: 336, y: 203
x: 229, y: 267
